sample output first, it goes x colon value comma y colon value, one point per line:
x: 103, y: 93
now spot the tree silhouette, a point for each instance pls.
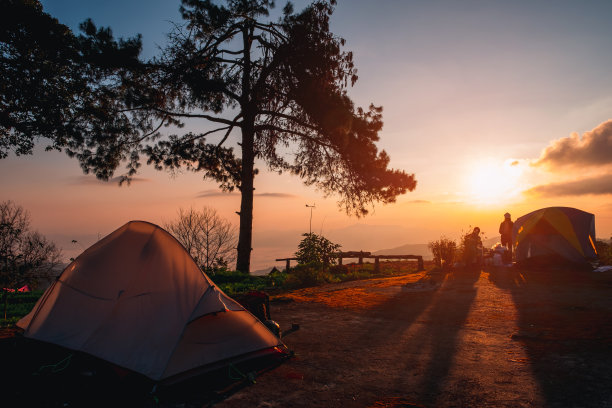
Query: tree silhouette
x: 58, y: 86
x: 275, y: 88
x: 26, y: 257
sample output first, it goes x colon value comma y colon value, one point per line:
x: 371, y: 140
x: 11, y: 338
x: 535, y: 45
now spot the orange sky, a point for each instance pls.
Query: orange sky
x: 480, y: 101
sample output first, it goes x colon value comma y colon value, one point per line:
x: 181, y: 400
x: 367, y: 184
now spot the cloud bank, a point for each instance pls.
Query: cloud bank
x: 593, y: 149
x: 589, y: 156
x: 275, y: 195
x: 215, y: 193
x: 595, y: 185
x: 92, y: 181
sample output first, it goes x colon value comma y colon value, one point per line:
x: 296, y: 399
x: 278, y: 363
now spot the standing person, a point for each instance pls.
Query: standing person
x: 505, y: 229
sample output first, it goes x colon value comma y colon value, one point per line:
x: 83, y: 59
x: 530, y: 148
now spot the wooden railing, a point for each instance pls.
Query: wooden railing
x: 361, y: 255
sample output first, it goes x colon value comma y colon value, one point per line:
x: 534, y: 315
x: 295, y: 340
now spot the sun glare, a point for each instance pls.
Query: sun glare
x: 492, y: 182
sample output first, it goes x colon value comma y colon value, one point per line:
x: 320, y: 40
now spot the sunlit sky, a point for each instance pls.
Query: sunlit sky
x: 494, y: 105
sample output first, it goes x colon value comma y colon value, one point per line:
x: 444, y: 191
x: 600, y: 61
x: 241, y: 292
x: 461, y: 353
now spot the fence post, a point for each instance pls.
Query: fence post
x: 420, y: 266
x: 361, y: 258
x: 287, y: 265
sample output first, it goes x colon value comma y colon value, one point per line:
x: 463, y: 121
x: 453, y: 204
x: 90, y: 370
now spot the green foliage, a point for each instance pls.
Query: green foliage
x: 234, y: 282
x: 277, y: 278
x: 305, y: 276
x: 18, y: 305
x: 64, y: 87
x: 316, y: 251
x: 444, y: 251
x: 359, y: 274
x: 604, y: 251
x: 309, y: 275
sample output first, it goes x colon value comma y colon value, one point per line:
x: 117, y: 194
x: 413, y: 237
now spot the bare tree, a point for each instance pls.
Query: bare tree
x: 210, y: 239
x: 26, y: 256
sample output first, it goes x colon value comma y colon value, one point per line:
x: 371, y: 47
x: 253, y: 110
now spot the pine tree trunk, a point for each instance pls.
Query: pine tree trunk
x: 245, y: 237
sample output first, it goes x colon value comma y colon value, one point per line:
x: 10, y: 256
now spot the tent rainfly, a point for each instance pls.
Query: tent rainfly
x: 555, y: 233
x: 138, y: 300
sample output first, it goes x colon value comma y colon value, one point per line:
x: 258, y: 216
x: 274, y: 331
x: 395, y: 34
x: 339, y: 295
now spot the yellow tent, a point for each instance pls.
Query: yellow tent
x: 555, y: 233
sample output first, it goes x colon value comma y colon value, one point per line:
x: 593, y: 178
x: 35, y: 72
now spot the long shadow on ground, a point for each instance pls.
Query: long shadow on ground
x: 428, y: 326
x: 397, y: 353
x: 565, y: 327
x: 363, y: 346
x: 442, y: 336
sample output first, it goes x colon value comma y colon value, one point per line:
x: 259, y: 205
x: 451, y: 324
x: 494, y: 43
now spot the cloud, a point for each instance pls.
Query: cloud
x: 593, y: 149
x: 418, y: 202
x: 216, y: 193
x: 116, y: 180
x: 590, y: 186
x: 220, y: 193
x: 92, y: 181
x: 275, y: 195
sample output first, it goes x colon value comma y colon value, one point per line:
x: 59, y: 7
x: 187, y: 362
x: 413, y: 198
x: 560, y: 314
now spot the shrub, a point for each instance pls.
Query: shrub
x: 234, y: 282
x: 338, y: 269
x: 358, y: 274
x: 304, y: 276
x: 444, y: 251
x: 604, y: 252
x: 316, y: 250
x: 276, y: 278
x: 19, y: 305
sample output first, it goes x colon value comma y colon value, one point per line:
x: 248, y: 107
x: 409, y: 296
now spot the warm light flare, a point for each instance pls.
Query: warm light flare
x: 491, y: 182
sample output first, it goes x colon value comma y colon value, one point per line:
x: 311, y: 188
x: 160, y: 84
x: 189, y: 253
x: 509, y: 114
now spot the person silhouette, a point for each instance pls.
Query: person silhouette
x: 473, y: 248
x: 505, y: 230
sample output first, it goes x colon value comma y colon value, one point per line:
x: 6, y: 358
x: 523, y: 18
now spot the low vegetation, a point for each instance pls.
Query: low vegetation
x: 235, y: 283
x: 316, y: 266
x: 604, y: 251
x: 316, y: 251
x: 18, y: 305
x: 444, y: 252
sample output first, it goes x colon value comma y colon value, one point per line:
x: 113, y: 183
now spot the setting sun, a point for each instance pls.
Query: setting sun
x: 490, y: 181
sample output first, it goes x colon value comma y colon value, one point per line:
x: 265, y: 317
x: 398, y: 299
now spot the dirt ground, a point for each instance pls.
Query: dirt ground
x: 503, y: 338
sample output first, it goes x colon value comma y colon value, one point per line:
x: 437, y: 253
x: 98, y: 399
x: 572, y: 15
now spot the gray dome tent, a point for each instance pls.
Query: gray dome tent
x: 137, y: 299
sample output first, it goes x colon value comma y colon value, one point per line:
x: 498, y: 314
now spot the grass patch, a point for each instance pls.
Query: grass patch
x: 18, y: 305
x: 234, y: 282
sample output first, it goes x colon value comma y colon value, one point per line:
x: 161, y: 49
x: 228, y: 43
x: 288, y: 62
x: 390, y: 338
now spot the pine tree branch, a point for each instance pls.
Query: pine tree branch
x: 195, y: 115
x: 303, y: 135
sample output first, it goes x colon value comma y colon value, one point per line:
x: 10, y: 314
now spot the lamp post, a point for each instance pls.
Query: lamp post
x: 311, y: 207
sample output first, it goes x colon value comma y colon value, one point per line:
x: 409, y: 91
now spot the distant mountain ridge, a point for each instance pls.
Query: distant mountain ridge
x: 407, y: 249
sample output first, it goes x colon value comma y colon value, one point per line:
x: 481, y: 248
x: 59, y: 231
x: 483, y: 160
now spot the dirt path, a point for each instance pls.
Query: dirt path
x: 500, y: 339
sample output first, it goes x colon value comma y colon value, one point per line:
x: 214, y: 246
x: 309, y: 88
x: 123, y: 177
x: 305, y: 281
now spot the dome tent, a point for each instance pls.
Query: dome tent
x: 138, y: 300
x: 555, y: 234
